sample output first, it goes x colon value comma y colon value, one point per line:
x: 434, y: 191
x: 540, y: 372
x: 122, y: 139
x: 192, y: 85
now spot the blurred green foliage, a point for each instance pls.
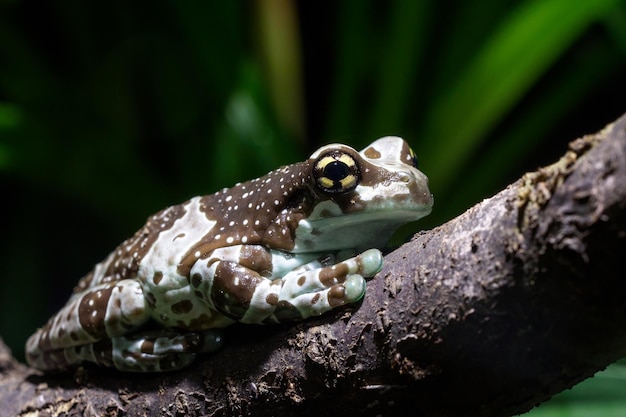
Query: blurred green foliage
x: 112, y: 111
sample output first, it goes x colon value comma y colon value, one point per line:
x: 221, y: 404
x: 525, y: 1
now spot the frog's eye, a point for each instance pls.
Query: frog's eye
x: 411, y: 158
x: 336, y: 172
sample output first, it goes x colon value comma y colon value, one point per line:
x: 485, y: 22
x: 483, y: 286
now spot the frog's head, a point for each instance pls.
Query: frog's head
x: 362, y: 197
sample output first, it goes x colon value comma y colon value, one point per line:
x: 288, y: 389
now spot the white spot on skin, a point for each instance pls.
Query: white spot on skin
x: 230, y: 239
x: 245, y: 222
x: 244, y: 239
x: 217, y: 237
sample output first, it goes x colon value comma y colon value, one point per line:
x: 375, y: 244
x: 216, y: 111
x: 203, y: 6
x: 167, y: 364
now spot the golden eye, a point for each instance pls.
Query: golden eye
x: 411, y: 158
x: 336, y: 172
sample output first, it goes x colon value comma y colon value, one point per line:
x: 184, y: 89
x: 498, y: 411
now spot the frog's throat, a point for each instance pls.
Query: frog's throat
x: 352, y: 231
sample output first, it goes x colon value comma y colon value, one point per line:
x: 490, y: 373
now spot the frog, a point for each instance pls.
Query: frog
x: 296, y: 243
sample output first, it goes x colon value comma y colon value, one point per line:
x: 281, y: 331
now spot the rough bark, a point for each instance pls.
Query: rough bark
x: 489, y: 314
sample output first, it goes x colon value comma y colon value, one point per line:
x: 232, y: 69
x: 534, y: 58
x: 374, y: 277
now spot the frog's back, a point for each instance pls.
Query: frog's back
x: 124, y: 261
x: 180, y: 235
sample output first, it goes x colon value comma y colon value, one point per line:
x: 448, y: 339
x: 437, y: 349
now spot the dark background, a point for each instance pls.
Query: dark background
x: 110, y: 111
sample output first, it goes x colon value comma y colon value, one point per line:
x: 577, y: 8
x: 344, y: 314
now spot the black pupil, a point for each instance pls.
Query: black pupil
x: 336, y: 170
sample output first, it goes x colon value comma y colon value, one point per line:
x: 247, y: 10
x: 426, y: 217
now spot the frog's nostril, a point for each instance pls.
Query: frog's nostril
x: 405, y: 178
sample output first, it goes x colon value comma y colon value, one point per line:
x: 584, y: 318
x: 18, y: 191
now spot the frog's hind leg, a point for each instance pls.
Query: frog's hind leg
x: 148, y: 351
x: 101, y: 313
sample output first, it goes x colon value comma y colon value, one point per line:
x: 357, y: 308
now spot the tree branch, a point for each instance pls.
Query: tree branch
x: 497, y: 310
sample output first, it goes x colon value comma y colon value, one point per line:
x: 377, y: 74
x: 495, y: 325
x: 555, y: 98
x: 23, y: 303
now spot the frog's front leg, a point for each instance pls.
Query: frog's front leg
x: 242, y: 293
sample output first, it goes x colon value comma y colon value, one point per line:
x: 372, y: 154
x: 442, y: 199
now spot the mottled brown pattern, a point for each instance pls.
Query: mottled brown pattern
x: 157, y: 277
x: 233, y: 287
x: 182, y: 307
x: 84, y: 283
x: 336, y: 296
x: 203, y: 321
x: 257, y: 258
x: 126, y: 258
x: 287, y: 311
x: 124, y: 261
x: 333, y: 274
x: 262, y: 211
x: 44, y: 340
x: 92, y: 310
x: 196, y: 280
x: 147, y: 346
x: 371, y: 153
x: 271, y: 299
x: 315, y: 298
x: 130, y: 253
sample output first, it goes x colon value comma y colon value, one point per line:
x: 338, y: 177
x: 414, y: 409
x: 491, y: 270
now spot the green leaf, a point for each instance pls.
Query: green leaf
x: 530, y: 39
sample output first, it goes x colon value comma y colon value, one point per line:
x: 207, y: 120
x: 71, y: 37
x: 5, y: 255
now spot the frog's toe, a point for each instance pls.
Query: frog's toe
x: 354, y: 288
x: 146, y: 362
x: 320, y: 302
x: 150, y: 351
x: 367, y: 264
x: 371, y: 262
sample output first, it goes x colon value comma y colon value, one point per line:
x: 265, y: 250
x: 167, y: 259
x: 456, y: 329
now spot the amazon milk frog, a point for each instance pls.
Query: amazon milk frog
x: 278, y: 248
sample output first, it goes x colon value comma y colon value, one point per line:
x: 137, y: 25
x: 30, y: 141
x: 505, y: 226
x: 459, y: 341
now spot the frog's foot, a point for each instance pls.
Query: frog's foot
x: 243, y: 294
x: 306, y: 293
x: 149, y: 351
